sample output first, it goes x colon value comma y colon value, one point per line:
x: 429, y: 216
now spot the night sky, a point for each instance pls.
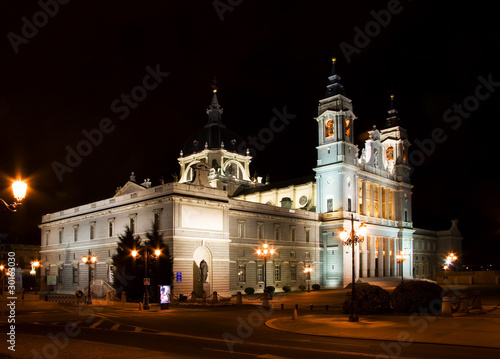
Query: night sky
x: 69, y: 70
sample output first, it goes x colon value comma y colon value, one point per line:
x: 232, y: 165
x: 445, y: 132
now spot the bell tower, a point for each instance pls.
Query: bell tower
x: 337, y: 153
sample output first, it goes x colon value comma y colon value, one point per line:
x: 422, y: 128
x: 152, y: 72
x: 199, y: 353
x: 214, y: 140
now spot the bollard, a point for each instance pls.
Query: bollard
x: 215, y: 299
x: 239, y: 299
x: 446, y: 307
x: 140, y: 305
x: 311, y: 307
x: 282, y: 306
x: 476, y: 303
x: 294, y: 315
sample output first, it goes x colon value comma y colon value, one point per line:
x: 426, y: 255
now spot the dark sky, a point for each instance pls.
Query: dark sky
x: 60, y: 78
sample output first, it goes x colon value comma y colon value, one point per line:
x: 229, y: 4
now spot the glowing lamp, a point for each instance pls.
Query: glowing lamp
x: 19, y: 189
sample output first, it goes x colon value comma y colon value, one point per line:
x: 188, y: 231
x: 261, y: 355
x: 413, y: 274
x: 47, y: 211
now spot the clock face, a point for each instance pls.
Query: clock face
x: 303, y: 200
x: 329, y: 180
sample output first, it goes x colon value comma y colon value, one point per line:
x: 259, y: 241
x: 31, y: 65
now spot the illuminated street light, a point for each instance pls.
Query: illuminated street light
x: 91, y: 259
x: 265, y: 253
x: 401, y: 257
x: 307, y: 272
x: 351, y: 239
x: 34, y: 265
x: 3, y: 276
x: 135, y: 254
x: 19, y: 189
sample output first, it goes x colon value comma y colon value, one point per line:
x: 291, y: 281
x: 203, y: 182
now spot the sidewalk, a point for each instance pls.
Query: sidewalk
x: 473, y: 330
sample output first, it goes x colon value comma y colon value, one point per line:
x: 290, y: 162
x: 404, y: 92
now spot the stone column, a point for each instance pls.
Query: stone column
x: 371, y: 261
x: 380, y: 256
x: 394, y: 261
x: 387, y: 256
x: 364, y: 258
x: 364, y: 198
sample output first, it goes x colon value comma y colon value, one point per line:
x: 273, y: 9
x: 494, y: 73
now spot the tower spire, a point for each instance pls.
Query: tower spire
x: 214, y: 111
x: 334, y: 86
x: 393, y: 119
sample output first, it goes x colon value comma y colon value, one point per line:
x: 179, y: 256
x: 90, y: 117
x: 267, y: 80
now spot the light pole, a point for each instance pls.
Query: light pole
x: 91, y: 259
x: 307, y: 272
x: 352, y: 240
x: 135, y: 254
x: 265, y: 253
x: 449, y: 260
x: 19, y: 189
x: 3, y: 276
x: 400, y: 258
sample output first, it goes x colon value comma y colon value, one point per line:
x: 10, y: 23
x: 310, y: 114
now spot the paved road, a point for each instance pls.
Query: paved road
x: 109, y: 332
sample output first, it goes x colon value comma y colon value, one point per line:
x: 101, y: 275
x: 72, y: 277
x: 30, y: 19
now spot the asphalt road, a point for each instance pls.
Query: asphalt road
x: 235, y: 332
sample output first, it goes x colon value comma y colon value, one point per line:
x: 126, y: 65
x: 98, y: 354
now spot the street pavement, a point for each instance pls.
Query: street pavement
x: 478, y: 328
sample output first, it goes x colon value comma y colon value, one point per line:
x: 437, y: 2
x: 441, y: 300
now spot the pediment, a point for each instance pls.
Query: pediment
x: 129, y: 187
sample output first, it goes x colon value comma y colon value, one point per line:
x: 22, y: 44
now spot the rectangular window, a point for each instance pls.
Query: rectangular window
x: 60, y: 273
x: 292, y: 254
x: 329, y: 205
x: 241, y: 273
x: 241, y: 229
x: 157, y: 217
x: 75, y: 233
x: 293, y: 272
x: 260, y: 230
x: 277, y: 232
x: 292, y: 233
x: 384, y: 202
x: 92, y: 230
x: 110, y: 229
x: 75, y: 275
x: 308, y: 235
x: 368, y: 199
x: 47, y: 238
x: 61, y: 235
x: 277, y: 273
x: 349, y: 204
x: 307, y: 254
x: 260, y: 273
x: 132, y: 224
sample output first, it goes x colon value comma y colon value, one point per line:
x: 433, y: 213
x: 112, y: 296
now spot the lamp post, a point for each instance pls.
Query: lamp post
x: 265, y: 253
x: 449, y: 260
x: 400, y: 258
x: 19, y: 189
x: 3, y: 276
x: 135, y: 254
x: 307, y: 272
x: 351, y: 240
x: 91, y: 259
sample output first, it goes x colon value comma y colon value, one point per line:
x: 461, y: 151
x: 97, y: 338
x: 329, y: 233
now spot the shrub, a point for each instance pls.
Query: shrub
x: 249, y: 290
x: 302, y: 287
x: 370, y: 299
x: 315, y: 286
x: 270, y: 289
x: 287, y: 288
x: 417, y: 296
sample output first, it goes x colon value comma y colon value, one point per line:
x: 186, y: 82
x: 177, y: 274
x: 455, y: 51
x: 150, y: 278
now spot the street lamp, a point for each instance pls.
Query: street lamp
x: 135, y: 254
x: 265, y: 253
x: 3, y: 277
x: 307, y: 272
x: 34, y: 265
x: 91, y: 259
x: 400, y: 258
x: 352, y: 240
x: 19, y: 189
x: 449, y: 260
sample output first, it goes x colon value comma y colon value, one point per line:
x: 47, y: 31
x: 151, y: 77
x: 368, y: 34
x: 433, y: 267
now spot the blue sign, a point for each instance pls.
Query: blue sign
x: 178, y: 277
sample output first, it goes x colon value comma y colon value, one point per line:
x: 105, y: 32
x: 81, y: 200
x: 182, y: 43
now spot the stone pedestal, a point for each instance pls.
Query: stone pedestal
x: 206, y: 288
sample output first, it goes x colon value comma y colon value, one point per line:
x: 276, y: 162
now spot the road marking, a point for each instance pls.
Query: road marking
x: 115, y: 327
x: 97, y: 323
x: 138, y: 329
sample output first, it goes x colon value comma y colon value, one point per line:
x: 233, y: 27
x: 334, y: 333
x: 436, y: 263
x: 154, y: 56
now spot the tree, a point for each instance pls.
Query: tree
x: 126, y: 270
x: 161, y: 270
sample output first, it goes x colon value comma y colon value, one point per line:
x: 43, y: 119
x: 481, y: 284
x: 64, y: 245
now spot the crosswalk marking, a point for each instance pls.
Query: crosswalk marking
x: 97, y: 323
x: 116, y: 326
